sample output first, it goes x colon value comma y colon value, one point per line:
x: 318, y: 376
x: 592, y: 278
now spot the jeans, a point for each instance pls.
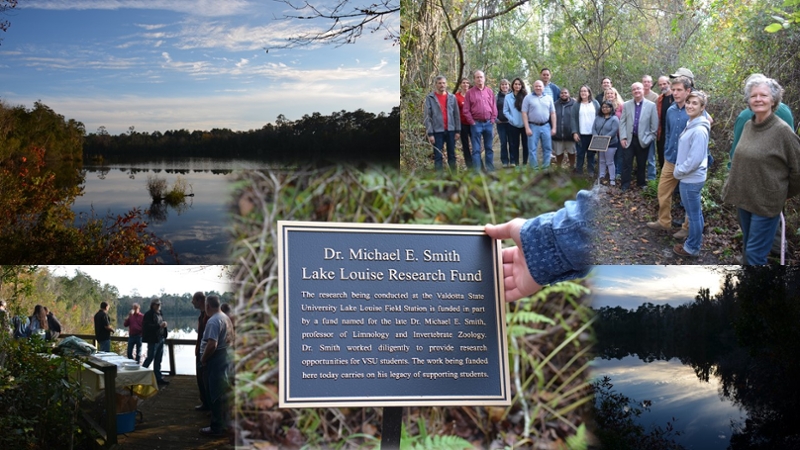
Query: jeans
x: 466, y: 137
x: 440, y: 140
x: 104, y: 346
x: 651, y: 161
x: 155, y: 351
x: 583, y: 153
x: 515, y: 137
x: 215, y: 378
x: 502, y: 132
x: 690, y: 197
x: 757, y: 234
x: 540, y: 132
x: 135, y: 342
x: 619, y: 162
x: 482, y: 130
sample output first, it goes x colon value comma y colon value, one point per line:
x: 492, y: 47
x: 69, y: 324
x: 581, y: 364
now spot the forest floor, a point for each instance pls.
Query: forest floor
x: 623, y: 237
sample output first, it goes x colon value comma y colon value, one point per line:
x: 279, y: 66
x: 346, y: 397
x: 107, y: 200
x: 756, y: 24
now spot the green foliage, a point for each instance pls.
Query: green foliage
x: 23, y: 130
x: 39, y: 402
x: 550, y: 331
x: 784, y: 20
x: 424, y: 441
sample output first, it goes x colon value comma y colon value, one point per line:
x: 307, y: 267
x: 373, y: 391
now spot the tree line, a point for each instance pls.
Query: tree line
x: 746, y: 336
x: 75, y: 299
x: 339, y: 137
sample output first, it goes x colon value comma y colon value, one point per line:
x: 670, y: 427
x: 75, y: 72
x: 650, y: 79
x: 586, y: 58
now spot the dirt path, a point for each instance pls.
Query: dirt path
x: 623, y: 237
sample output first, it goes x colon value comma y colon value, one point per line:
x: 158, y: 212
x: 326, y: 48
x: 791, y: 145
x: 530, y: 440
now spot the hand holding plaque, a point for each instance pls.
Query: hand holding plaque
x: 517, y: 280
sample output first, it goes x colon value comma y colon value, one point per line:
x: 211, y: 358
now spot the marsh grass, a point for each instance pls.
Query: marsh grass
x: 550, y: 335
x: 157, y: 188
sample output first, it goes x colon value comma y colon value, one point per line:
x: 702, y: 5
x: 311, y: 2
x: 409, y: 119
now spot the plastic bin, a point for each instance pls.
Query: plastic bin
x: 126, y: 422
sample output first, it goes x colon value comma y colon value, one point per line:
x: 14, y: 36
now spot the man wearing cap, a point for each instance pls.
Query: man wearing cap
x: 154, y: 332
x: 199, y: 303
x: 681, y: 84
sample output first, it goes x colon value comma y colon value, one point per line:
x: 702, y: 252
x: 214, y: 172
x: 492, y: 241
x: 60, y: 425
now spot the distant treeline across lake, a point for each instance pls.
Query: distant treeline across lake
x: 357, y: 136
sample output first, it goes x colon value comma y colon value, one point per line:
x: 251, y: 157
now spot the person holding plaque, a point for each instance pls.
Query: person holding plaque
x: 690, y: 169
x: 551, y: 247
x: 607, y: 124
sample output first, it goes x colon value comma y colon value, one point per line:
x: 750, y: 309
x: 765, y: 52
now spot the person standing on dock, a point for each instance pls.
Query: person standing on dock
x: 199, y: 302
x: 217, y: 340
x: 103, y: 328
x: 134, y: 322
x: 154, y: 332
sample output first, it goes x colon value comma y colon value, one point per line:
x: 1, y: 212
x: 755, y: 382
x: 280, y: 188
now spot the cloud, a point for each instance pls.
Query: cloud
x: 151, y: 27
x: 216, y: 34
x: 205, y: 8
x: 629, y: 286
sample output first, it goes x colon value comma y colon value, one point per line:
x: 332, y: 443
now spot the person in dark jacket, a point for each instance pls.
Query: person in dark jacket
x: 154, y: 332
x: 53, y: 325
x: 199, y: 302
x: 103, y: 328
x: 562, y: 140
x: 607, y: 124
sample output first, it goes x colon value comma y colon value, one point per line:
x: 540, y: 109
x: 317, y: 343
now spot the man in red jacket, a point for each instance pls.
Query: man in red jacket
x: 134, y: 321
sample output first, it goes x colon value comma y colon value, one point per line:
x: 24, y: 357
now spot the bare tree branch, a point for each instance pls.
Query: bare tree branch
x: 348, y: 20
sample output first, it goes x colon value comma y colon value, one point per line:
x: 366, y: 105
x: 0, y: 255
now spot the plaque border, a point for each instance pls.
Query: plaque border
x: 285, y: 226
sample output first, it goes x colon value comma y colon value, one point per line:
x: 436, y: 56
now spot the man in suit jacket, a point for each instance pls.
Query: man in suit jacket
x: 637, y: 129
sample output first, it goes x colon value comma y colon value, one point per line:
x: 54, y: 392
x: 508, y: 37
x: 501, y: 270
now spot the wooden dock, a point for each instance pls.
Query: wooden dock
x: 170, y: 421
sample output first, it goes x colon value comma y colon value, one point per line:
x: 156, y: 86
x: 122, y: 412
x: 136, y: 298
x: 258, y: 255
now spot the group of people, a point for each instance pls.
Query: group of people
x: 547, y: 118
x: 42, y: 323
x: 215, y: 336
x: 666, y: 133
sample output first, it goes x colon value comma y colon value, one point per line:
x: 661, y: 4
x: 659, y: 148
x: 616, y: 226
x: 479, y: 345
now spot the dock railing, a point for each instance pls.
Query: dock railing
x: 169, y: 342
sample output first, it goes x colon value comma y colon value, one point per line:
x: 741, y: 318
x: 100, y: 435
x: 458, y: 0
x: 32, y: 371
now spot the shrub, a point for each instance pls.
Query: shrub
x: 39, y: 404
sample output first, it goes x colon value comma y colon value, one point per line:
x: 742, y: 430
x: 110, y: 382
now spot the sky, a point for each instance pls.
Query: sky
x: 194, y: 64
x: 631, y: 286
x: 151, y: 280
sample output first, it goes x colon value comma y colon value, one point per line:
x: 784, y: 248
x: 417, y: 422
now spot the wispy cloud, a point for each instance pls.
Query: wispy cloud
x: 206, y: 8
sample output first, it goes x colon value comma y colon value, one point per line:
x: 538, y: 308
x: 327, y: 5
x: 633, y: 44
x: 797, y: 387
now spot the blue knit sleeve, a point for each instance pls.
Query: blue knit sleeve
x: 557, y: 245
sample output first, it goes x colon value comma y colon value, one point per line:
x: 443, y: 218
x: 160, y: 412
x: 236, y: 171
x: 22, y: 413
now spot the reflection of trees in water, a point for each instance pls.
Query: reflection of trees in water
x: 159, y: 211
x: 747, y: 336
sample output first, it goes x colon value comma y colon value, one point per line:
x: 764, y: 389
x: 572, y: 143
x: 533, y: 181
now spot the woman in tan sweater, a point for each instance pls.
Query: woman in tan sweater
x: 765, y: 170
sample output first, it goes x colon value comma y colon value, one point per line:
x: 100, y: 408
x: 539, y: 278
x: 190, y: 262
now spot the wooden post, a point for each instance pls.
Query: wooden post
x: 391, y: 426
x: 168, y: 342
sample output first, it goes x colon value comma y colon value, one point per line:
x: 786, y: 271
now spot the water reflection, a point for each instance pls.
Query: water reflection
x: 195, y: 228
x: 731, y: 359
x: 696, y: 408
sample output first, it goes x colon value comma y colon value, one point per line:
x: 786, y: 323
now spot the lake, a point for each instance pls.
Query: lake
x: 196, y: 229
x: 704, y: 415
x: 184, y: 354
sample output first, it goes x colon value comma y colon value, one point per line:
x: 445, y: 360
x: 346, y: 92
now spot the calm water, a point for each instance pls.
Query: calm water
x: 197, y: 229
x: 703, y: 414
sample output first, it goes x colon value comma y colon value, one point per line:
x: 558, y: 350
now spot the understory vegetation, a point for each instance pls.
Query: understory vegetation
x: 549, y: 334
